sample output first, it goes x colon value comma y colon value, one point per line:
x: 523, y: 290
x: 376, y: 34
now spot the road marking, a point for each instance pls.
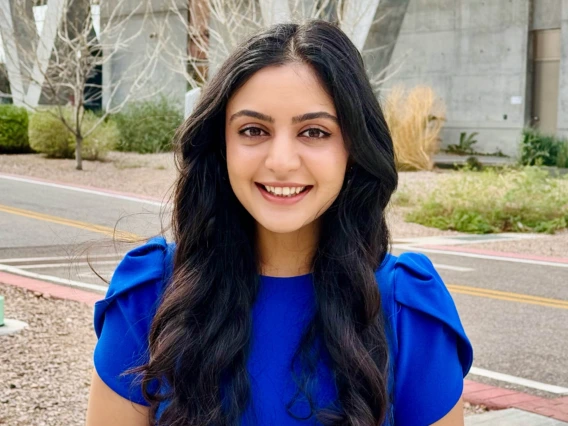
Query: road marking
x: 86, y: 191
x: 123, y: 235
x: 57, y: 280
x: 452, y: 268
x: 483, y: 256
x: 508, y: 296
x: 91, y: 274
x: 518, y: 381
x: 55, y: 258
x: 67, y: 265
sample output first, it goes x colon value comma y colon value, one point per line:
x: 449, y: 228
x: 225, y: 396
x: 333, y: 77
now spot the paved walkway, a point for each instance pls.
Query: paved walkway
x: 442, y: 159
x: 496, y: 398
x: 511, y: 417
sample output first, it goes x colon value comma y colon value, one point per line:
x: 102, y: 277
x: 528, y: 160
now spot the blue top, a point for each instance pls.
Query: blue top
x: 430, y: 350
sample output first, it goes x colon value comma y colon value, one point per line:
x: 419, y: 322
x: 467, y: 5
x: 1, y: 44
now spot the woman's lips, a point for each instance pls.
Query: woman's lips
x: 283, y: 200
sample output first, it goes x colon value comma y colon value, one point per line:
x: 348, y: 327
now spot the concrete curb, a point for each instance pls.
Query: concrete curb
x: 87, y: 187
x: 496, y: 398
x: 50, y: 290
x: 461, y: 249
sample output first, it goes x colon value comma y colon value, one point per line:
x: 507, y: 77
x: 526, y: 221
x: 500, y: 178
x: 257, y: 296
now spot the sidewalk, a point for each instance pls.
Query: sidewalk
x: 443, y: 159
x: 513, y: 408
x: 511, y: 417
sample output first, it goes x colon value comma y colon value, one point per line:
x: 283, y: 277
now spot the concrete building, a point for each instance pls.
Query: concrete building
x: 145, y: 25
x: 499, y: 65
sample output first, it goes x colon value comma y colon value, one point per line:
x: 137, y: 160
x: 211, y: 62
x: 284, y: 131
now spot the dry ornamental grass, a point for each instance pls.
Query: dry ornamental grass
x: 415, y: 119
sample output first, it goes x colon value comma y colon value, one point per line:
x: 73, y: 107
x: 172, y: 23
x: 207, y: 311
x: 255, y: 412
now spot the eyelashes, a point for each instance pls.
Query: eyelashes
x: 257, y: 132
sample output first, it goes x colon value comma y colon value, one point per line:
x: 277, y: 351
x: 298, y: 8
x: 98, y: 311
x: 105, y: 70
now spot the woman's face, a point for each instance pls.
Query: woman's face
x: 285, y: 153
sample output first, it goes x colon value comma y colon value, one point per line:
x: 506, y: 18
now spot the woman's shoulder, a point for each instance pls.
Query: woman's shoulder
x: 139, y: 279
x: 411, y: 283
x: 430, y: 348
x: 122, y: 319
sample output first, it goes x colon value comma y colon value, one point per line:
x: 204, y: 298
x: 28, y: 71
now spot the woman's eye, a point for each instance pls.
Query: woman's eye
x: 252, y: 132
x: 315, y: 133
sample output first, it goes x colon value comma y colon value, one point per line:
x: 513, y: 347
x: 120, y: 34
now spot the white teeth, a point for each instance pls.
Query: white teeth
x: 284, y: 191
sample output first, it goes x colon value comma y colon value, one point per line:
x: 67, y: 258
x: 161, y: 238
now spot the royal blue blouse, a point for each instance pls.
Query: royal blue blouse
x: 429, y: 349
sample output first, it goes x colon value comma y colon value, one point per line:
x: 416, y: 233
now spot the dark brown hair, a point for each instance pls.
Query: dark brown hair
x: 200, y: 337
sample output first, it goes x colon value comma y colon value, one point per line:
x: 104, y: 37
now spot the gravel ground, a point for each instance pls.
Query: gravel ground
x: 46, y: 368
x: 151, y: 175
x: 550, y: 245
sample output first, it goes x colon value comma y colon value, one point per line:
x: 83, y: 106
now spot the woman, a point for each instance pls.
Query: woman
x: 279, y: 303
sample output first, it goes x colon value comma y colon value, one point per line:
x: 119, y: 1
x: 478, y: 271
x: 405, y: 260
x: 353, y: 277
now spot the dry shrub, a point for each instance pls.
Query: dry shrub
x: 415, y: 118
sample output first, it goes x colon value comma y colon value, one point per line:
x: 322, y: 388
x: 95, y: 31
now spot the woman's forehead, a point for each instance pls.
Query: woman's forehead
x: 282, y: 89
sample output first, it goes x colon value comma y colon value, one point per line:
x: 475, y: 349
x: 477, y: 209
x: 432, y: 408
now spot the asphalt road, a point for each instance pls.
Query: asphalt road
x: 516, y: 314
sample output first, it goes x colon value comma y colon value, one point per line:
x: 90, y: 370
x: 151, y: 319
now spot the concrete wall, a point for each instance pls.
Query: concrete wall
x: 129, y: 61
x: 547, y: 14
x: 563, y: 89
x: 474, y: 54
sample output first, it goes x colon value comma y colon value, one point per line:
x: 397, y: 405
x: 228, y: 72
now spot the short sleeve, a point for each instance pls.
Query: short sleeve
x: 434, y: 353
x: 122, y: 319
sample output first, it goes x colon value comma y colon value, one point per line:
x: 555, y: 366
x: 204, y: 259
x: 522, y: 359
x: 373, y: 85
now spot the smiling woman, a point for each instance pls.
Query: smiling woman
x: 279, y: 303
x: 272, y: 150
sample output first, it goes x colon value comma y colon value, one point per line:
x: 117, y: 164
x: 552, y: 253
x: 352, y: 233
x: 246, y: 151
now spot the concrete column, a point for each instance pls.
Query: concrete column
x: 357, y: 19
x: 133, y: 19
x: 563, y: 83
x: 275, y: 11
x: 11, y: 26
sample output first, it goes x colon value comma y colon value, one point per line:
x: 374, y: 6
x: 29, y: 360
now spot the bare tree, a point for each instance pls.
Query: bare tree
x: 215, y: 27
x: 65, y: 68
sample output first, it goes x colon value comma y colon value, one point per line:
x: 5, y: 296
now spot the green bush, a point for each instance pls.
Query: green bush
x: 465, y: 146
x: 14, y: 130
x: 102, y: 140
x: 524, y: 200
x: 148, y: 126
x: 539, y: 149
x: 50, y: 136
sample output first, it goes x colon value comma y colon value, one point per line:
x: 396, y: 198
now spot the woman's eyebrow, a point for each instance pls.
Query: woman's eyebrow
x: 312, y: 115
x: 253, y: 114
x: 297, y: 119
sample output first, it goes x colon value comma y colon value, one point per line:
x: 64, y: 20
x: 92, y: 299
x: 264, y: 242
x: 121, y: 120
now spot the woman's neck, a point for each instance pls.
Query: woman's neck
x: 286, y: 255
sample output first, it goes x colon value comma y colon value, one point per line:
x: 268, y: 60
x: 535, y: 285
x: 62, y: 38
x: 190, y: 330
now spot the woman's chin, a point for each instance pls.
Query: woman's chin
x: 282, y: 226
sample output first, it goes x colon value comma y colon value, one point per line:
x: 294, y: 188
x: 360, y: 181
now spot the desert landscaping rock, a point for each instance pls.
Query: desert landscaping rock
x: 46, y: 367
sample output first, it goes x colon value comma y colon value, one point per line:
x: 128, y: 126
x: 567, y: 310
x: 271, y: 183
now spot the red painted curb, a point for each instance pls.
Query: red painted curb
x: 91, y: 188
x: 55, y: 291
x: 496, y: 398
x: 495, y: 253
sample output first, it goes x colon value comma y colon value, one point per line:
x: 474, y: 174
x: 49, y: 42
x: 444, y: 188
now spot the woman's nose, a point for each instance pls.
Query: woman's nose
x: 283, y: 156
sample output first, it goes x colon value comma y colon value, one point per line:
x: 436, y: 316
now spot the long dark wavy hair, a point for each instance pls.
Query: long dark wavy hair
x: 200, y: 337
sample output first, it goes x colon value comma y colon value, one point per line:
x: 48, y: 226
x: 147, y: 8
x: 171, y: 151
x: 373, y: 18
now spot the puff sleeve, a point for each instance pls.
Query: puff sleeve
x: 433, y: 351
x: 122, y: 319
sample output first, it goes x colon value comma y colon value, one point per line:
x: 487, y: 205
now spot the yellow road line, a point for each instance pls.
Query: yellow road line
x: 454, y: 288
x: 508, y: 296
x: 123, y: 235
